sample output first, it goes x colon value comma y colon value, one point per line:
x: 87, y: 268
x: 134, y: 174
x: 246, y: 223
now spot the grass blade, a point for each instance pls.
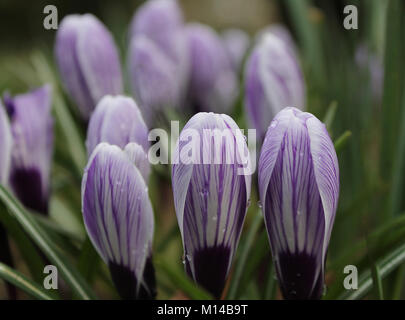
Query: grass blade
x: 40, y: 237
x: 183, y: 282
x: 22, y: 282
x: 385, y: 266
x: 254, y: 227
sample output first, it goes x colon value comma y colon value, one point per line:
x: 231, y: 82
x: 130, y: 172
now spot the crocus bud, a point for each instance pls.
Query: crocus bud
x: 6, y: 142
x: 273, y: 81
x: 279, y: 31
x: 88, y: 61
x: 299, y: 190
x: 116, y: 120
x: 211, y: 195
x: 32, y: 130
x: 237, y: 43
x: 213, y: 81
x: 119, y: 220
x: 158, y: 58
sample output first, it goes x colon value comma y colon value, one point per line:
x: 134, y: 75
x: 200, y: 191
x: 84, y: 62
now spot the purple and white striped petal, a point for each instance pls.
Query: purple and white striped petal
x: 6, y: 142
x: 116, y: 120
x: 139, y: 157
x: 273, y: 81
x: 88, y: 61
x: 119, y: 220
x: 213, y: 81
x: 32, y: 130
x: 299, y: 189
x: 237, y: 43
x: 153, y: 78
x: 211, y: 196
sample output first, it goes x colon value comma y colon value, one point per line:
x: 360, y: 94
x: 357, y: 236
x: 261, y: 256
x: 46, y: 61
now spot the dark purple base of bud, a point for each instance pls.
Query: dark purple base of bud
x: 298, y: 274
x: 126, y: 283
x: 27, y: 185
x: 211, y: 266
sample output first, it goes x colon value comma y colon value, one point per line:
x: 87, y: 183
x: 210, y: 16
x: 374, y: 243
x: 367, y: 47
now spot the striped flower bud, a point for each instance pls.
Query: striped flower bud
x: 6, y: 142
x: 119, y: 220
x: 158, y: 58
x: 211, y: 195
x: 88, y: 61
x: 32, y: 130
x: 273, y: 81
x: 299, y: 190
x: 213, y: 81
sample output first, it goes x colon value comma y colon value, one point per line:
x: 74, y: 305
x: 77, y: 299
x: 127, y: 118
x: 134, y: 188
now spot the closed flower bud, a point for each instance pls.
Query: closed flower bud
x: 119, y: 220
x: 211, y: 196
x: 158, y: 58
x: 6, y: 142
x: 299, y: 190
x: 237, y: 43
x: 116, y: 120
x: 88, y: 61
x: 273, y: 81
x: 32, y: 130
x: 213, y: 82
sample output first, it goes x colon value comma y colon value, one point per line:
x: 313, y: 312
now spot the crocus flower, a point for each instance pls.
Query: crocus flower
x: 213, y: 81
x: 158, y: 58
x: 119, y: 220
x: 273, y: 81
x: 279, y: 31
x: 373, y: 65
x: 299, y: 190
x: 32, y: 130
x: 211, y: 196
x: 6, y: 142
x: 237, y: 43
x: 88, y: 61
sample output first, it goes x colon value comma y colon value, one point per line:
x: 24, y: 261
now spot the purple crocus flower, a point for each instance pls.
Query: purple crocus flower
x: 116, y: 120
x: 273, y: 81
x: 6, y: 142
x: 299, y: 190
x: 279, y: 31
x: 88, y: 61
x: 158, y: 58
x: 211, y: 196
x: 32, y: 130
x: 119, y: 220
x: 213, y: 81
x: 237, y: 43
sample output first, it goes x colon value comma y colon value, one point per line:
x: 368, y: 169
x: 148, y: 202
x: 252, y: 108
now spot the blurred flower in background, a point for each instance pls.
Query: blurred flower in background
x: 32, y: 130
x: 211, y: 199
x: 273, y: 81
x: 299, y: 190
x: 237, y: 43
x: 119, y: 220
x: 373, y: 65
x: 158, y: 58
x: 88, y: 61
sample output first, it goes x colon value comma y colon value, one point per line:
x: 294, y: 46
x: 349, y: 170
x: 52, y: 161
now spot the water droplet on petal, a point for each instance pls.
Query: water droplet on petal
x: 259, y: 204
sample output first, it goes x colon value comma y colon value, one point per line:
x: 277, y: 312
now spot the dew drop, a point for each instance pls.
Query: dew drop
x: 215, y: 218
x: 259, y: 204
x: 188, y: 256
x: 274, y: 124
